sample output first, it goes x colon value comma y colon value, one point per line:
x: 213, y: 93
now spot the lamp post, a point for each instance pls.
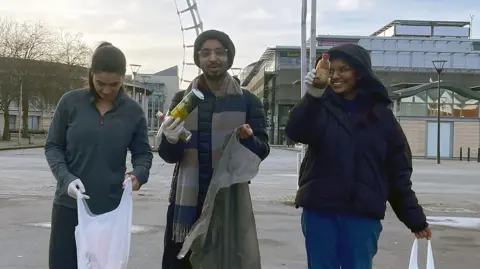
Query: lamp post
x: 303, y: 46
x: 438, y: 64
x: 145, y: 80
x: 303, y: 54
x: 135, y: 68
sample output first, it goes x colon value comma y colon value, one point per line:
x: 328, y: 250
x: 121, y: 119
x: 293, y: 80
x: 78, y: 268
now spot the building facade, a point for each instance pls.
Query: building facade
x: 163, y: 85
x: 42, y: 81
x: 402, y: 53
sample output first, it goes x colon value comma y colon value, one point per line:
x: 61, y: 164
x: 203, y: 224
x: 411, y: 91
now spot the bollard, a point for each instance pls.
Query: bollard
x: 468, y: 154
x: 478, y: 155
x: 461, y: 153
x: 30, y: 139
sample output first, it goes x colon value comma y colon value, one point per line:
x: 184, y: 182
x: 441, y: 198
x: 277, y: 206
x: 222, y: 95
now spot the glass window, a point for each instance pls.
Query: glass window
x: 432, y: 95
x: 420, y: 98
x: 407, y: 100
x: 33, y: 123
x: 413, y: 109
x: 465, y: 108
x: 12, y: 120
x: 446, y: 110
x: 432, y: 110
x: 447, y: 97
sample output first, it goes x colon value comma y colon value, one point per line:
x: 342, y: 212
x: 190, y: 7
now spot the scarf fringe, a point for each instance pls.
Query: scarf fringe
x: 180, y: 232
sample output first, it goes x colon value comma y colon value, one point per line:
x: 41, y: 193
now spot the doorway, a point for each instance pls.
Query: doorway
x: 446, y: 130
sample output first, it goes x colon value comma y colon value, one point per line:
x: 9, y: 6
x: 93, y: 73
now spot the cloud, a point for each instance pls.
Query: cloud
x: 257, y: 14
x: 119, y: 25
x: 349, y: 5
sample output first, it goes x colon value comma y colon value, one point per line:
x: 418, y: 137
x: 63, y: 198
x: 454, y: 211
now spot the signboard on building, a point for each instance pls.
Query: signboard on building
x: 291, y: 58
x: 296, y: 53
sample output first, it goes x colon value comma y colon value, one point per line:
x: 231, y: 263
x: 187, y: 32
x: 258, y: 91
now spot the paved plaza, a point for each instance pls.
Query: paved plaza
x: 451, y: 189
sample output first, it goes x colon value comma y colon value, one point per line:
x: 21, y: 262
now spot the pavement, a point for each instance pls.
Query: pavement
x: 37, y: 142
x: 450, y: 189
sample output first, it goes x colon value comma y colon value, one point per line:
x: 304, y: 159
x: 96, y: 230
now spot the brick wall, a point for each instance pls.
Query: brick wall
x: 415, y: 132
x: 466, y: 134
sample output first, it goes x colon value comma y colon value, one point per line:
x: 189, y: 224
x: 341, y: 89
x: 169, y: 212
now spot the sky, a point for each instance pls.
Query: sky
x: 149, y: 33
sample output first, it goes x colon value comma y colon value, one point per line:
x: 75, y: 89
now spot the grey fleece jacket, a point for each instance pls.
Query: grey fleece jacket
x: 82, y: 144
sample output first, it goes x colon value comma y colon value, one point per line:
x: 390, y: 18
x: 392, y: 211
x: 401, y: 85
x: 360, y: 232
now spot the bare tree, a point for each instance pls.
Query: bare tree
x: 20, y: 43
x: 71, y: 50
x: 38, y: 64
x: 74, y: 54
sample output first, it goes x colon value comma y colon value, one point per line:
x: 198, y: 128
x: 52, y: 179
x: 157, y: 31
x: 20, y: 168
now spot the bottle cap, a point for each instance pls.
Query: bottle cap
x: 160, y: 115
x: 325, y: 56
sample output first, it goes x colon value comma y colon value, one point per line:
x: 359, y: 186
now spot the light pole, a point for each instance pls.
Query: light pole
x: 313, y: 34
x: 135, y: 68
x: 303, y: 55
x: 145, y: 80
x: 303, y: 48
x: 438, y: 64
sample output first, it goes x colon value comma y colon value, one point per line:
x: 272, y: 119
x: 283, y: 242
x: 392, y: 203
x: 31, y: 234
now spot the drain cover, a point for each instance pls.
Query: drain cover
x: 448, y: 210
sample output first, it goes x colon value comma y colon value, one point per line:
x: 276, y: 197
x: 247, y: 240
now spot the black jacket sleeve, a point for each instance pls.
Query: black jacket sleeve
x: 172, y: 153
x: 399, y: 169
x: 299, y: 128
x: 258, y: 143
x: 141, y: 153
x: 55, y: 145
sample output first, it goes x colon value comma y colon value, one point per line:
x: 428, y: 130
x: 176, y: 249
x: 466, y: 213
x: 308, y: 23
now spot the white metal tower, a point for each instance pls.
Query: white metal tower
x: 191, y: 25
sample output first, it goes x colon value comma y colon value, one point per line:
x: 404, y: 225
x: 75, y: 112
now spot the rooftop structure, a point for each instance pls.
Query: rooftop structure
x: 413, y: 28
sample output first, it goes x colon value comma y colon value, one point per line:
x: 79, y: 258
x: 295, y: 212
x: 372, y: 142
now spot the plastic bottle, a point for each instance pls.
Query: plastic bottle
x: 323, y: 70
x: 189, y: 102
x: 185, y: 135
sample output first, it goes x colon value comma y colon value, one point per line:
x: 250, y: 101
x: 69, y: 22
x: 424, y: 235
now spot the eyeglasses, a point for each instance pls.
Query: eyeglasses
x: 217, y: 52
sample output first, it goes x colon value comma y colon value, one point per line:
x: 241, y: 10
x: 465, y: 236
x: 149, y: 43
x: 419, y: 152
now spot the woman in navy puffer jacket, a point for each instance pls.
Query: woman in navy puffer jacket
x: 358, y: 158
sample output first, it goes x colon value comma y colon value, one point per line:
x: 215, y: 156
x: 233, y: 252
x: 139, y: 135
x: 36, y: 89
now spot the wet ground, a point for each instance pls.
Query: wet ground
x: 447, y: 191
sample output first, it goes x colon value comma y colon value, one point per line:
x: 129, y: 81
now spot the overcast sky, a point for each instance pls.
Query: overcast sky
x: 148, y: 31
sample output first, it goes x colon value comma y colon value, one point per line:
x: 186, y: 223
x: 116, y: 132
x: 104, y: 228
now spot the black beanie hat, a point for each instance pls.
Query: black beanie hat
x: 221, y: 37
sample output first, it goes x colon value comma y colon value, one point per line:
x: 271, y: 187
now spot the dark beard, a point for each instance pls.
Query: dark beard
x: 214, y: 77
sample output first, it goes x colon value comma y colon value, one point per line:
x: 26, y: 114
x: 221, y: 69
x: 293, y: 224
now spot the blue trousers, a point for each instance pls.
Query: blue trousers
x: 336, y: 241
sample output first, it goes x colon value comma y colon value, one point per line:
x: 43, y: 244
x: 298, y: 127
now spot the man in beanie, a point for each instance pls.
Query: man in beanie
x: 225, y: 107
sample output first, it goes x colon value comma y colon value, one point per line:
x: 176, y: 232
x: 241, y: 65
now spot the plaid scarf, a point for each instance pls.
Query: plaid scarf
x: 229, y: 113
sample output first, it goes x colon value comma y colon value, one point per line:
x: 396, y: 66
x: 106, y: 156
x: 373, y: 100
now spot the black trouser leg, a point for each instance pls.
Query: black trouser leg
x: 63, y: 249
x: 171, y: 248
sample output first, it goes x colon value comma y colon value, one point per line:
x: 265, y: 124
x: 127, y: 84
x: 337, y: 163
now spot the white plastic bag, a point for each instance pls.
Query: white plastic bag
x: 414, y: 256
x: 103, y: 241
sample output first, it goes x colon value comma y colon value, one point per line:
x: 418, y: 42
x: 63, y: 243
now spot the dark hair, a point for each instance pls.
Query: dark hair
x: 107, y: 58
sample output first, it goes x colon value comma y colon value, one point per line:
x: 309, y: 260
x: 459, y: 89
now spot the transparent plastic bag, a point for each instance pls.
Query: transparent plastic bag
x: 103, y: 241
x: 414, y: 256
x: 225, y: 235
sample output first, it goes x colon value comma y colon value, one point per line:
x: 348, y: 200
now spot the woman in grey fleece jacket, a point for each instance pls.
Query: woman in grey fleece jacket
x: 86, y: 149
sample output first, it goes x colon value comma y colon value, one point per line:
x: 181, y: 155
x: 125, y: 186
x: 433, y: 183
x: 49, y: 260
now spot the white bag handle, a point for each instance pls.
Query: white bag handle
x: 414, y: 256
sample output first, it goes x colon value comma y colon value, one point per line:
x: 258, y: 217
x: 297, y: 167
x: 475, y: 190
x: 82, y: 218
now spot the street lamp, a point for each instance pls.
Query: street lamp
x: 438, y: 64
x: 135, y: 68
x: 145, y: 80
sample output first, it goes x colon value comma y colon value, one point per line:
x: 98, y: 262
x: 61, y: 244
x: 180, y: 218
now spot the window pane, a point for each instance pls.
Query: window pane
x: 446, y: 110
x: 467, y: 110
x: 407, y: 100
x: 420, y: 98
x: 413, y: 109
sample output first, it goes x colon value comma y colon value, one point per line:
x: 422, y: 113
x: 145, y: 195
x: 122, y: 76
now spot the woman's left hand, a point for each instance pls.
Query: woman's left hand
x: 135, y: 183
x: 425, y: 234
